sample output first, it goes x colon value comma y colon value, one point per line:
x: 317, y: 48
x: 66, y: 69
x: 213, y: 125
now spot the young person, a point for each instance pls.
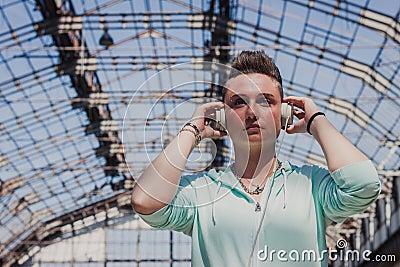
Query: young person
x: 238, y: 216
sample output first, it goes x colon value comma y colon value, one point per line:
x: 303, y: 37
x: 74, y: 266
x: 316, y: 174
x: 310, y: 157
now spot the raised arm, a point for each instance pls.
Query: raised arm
x: 338, y: 151
x: 157, y: 185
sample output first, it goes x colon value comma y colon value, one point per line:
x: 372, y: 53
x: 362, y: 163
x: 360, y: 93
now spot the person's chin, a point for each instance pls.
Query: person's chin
x: 261, y: 136
x: 254, y: 137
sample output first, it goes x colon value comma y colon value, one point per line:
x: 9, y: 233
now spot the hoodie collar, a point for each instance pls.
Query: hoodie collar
x: 228, y: 179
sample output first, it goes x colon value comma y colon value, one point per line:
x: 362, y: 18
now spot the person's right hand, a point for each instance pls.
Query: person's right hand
x: 202, y: 117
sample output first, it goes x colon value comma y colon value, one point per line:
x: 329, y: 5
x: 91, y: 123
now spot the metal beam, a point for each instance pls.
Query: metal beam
x: 389, y: 247
x: 215, y: 20
x: 51, y: 230
x: 84, y: 81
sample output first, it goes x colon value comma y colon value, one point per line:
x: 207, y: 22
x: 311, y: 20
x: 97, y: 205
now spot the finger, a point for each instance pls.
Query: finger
x: 209, y: 114
x: 291, y: 129
x: 208, y: 109
x: 295, y: 100
x: 219, y: 133
x: 209, y: 106
x: 299, y: 114
x: 205, y: 111
x: 213, y: 105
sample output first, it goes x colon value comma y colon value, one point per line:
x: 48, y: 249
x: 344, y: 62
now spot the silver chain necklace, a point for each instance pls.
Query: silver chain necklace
x: 259, y: 189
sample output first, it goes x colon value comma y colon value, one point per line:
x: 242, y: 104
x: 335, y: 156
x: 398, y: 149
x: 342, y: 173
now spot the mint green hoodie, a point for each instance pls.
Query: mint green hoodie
x: 301, y: 201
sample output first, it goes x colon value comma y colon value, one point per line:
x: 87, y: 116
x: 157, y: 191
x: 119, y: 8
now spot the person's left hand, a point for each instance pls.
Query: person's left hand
x: 308, y: 108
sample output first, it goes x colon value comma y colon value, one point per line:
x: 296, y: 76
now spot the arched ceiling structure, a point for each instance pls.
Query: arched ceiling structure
x: 64, y: 95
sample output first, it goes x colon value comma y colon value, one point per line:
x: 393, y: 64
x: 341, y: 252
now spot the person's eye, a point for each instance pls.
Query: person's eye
x: 264, y: 102
x: 239, y: 102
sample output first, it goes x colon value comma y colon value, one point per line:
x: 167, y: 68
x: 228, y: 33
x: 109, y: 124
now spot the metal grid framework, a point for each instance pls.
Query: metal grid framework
x: 64, y: 97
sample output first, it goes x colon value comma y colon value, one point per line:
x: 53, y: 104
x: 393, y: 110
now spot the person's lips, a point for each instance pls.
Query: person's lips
x: 253, y: 126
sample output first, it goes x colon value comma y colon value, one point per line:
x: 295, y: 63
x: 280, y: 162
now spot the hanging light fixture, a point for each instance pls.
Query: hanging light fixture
x: 106, y: 40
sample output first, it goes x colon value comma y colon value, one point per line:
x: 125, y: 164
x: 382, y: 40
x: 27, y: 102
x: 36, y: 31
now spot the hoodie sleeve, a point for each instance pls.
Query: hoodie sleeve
x: 179, y: 214
x: 348, y: 190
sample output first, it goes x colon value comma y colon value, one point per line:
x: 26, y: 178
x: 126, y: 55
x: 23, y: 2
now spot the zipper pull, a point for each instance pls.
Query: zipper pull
x: 258, y: 207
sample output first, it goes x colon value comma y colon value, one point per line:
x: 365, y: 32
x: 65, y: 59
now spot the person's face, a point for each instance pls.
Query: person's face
x: 253, y: 108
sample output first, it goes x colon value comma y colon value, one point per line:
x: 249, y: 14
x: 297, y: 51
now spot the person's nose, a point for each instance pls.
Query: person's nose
x: 250, y: 111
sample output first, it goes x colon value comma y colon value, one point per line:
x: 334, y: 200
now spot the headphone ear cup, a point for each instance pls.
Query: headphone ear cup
x: 217, y: 116
x: 220, y: 121
x: 286, y: 112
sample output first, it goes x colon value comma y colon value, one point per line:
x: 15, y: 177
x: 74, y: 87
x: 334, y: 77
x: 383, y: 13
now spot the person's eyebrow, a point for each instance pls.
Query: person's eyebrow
x: 244, y: 96
x: 241, y: 95
x: 267, y: 95
x: 238, y: 95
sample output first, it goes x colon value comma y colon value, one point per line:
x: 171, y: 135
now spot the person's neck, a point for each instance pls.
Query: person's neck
x: 255, y: 162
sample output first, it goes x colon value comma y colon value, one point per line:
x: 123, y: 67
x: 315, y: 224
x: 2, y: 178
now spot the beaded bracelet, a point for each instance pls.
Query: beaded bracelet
x: 194, y: 130
x: 194, y: 127
x: 311, y: 120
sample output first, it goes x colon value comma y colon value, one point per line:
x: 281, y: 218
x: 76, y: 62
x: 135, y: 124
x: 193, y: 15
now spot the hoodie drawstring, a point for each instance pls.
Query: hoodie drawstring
x: 284, y: 187
x: 213, y: 203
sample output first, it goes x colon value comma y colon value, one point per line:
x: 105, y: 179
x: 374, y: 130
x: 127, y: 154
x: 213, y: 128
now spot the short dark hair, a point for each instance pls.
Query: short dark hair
x: 248, y: 62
